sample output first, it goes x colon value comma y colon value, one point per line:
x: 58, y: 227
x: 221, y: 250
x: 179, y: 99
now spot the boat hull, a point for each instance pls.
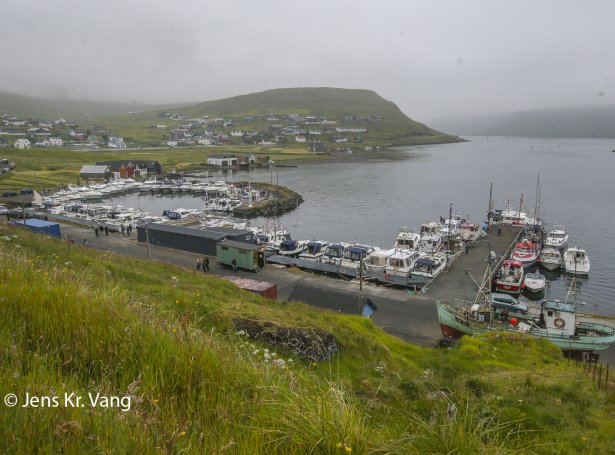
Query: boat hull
x: 453, y: 322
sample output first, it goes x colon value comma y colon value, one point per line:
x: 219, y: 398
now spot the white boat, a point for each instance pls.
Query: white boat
x: 354, y: 254
x: 314, y: 251
x: 551, y: 258
x: 291, y: 247
x: 557, y: 238
x: 429, y: 265
x: 430, y: 243
x: 407, y: 239
x: 180, y: 213
x: 576, y: 261
x: 402, y: 262
x: 377, y: 260
x: 334, y: 253
x: 535, y: 282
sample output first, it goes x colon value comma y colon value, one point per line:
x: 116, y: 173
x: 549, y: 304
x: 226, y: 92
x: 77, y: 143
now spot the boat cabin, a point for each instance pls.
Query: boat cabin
x: 334, y: 253
x: 355, y: 253
x: 377, y: 261
x: 430, y: 228
x: 559, y: 316
x: 407, y: 239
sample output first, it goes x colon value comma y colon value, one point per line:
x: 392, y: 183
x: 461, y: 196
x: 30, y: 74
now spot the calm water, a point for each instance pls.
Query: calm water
x: 367, y: 198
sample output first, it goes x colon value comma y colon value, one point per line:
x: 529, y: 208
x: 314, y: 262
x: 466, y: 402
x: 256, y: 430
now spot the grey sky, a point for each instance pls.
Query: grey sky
x: 431, y: 58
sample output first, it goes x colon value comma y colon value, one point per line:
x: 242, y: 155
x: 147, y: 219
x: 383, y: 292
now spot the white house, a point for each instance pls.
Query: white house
x: 43, y: 143
x: 299, y: 138
x: 237, y: 133
x: 222, y: 160
x: 116, y: 143
x: 203, y: 141
x: 55, y: 141
x: 22, y: 144
x: 172, y: 143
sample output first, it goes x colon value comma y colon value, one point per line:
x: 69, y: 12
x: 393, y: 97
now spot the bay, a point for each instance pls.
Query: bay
x: 366, y: 197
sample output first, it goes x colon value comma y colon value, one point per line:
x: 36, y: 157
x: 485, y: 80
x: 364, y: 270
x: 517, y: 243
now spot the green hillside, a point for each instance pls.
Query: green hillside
x: 172, y: 342
x: 385, y: 124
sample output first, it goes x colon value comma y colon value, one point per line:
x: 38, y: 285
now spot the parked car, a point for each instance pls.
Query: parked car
x: 3, y: 210
x: 5, y: 170
x: 9, y: 194
x: 26, y: 191
x: 507, y: 302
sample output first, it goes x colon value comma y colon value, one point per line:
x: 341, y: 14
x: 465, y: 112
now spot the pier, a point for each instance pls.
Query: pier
x: 466, y: 272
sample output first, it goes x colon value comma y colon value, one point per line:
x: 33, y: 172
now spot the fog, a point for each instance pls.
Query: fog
x: 431, y: 58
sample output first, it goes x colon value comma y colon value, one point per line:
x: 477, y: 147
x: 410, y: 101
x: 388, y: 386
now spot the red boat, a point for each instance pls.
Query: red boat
x: 525, y: 252
x: 509, y: 278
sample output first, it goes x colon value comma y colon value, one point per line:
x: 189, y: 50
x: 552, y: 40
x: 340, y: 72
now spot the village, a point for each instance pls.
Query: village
x: 317, y: 134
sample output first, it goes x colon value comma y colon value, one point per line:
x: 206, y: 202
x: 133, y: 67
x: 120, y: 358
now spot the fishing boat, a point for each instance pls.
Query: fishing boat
x: 576, y: 261
x: 525, y: 252
x: 509, y: 277
x: 314, y: 251
x: 557, y: 322
x: 550, y: 258
x: 535, y: 282
x: 557, y: 238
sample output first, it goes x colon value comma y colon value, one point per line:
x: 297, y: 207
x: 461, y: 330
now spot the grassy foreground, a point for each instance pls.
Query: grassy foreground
x: 77, y: 320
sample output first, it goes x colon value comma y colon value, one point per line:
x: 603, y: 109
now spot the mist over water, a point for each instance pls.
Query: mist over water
x: 368, y: 197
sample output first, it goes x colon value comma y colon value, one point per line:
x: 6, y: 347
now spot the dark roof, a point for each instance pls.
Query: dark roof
x: 357, y: 249
x: 426, y: 261
x: 141, y: 163
x: 218, y: 233
x: 221, y: 156
x: 241, y: 245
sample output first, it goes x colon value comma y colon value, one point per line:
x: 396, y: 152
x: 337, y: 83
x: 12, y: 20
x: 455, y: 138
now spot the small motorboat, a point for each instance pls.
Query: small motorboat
x: 291, y: 247
x: 314, y: 251
x: 576, y: 261
x: 557, y: 238
x: 535, y: 282
x: 551, y: 258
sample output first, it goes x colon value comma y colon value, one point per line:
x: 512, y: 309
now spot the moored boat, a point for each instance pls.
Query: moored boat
x: 509, y: 277
x: 557, y: 238
x: 429, y: 265
x: 535, y: 282
x: 525, y: 252
x: 557, y: 323
x: 314, y: 250
x: 551, y: 258
x: 576, y: 261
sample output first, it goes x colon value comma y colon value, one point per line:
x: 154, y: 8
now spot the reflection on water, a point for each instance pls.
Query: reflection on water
x: 368, y: 197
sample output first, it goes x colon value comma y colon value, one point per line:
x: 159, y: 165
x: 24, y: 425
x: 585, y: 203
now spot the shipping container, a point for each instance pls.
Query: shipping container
x: 201, y: 241
x: 262, y: 288
x: 243, y: 255
x: 41, y: 226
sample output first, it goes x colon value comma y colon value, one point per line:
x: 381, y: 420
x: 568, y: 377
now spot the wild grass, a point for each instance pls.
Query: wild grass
x: 89, y: 322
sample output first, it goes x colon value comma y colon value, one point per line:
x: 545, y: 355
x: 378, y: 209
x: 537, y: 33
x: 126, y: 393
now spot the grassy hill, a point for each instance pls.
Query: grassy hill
x: 76, y: 320
x: 394, y: 128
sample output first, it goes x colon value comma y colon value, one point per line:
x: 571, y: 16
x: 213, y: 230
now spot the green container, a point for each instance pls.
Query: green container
x: 247, y: 256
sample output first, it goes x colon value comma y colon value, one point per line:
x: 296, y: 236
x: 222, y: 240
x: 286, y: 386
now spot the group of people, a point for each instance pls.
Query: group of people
x: 98, y: 230
x: 203, y: 264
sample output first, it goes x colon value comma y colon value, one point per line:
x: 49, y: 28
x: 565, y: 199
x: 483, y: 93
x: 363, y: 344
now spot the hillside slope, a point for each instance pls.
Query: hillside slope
x: 166, y: 340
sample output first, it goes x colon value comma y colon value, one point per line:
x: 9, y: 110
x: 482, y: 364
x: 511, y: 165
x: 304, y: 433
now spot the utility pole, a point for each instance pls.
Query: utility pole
x: 147, y: 239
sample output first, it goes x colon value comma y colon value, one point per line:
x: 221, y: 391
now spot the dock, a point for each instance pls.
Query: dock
x: 464, y: 276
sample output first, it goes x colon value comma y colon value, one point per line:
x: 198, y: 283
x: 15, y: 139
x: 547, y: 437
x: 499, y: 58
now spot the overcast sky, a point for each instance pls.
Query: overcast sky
x: 432, y: 58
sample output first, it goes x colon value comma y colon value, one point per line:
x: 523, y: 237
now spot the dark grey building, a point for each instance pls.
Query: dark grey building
x: 202, y: 241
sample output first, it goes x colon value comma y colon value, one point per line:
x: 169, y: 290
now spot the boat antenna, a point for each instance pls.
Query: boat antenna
x: 490, y: 208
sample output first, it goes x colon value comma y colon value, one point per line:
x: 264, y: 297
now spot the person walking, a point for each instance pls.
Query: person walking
x: 198, y: 264
x: 234, y: 264
x: 206, y: 264
x: 106, y: 230
x: 122, y: 228
x: 96, y: 231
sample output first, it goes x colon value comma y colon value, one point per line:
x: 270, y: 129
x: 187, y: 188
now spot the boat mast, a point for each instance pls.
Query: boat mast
x: 520, y: 206
x: 489, y: 209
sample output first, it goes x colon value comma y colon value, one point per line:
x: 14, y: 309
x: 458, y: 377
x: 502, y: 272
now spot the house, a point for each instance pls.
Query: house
x: 299, y: 138
x: 90, y: 171
x: 203, y: 141
x: 246, y: 160
x: 222, y: 160
x: 317, y: 147
x: 55, y: 141
x: 237, y: 133
x: 172, y: 142
x: 338, y: 139
x: 140, y: 167
x: 44, y: 143
x: 22, y: 144
x: 116, y: 143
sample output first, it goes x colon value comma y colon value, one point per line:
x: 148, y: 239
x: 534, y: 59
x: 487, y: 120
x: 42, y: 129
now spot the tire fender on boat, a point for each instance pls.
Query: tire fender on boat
x: 559, y: 323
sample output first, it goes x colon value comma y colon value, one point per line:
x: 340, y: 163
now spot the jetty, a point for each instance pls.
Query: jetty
x: 464, y: 276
